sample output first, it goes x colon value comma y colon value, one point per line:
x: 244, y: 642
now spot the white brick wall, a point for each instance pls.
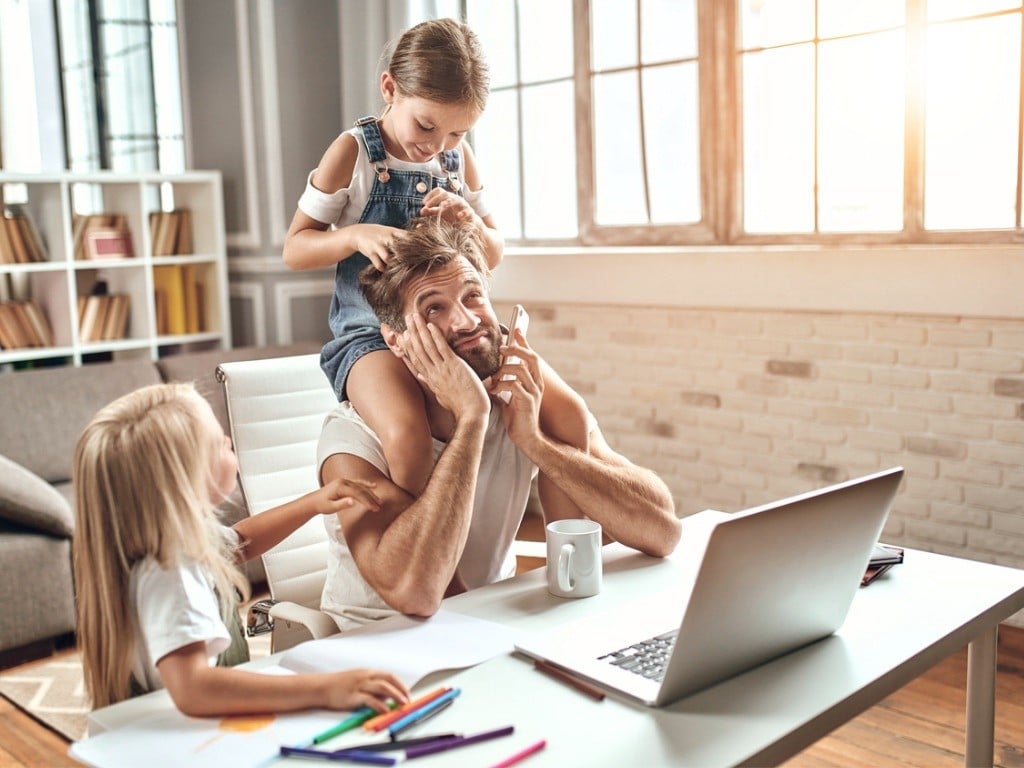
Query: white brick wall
x: 736, y: 408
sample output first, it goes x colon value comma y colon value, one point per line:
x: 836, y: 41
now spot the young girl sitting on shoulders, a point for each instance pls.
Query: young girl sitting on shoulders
x: 371, y: 182
x: 157, y: 586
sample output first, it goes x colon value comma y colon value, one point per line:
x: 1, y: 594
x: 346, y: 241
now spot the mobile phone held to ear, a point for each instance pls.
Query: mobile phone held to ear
x: 520, y: 320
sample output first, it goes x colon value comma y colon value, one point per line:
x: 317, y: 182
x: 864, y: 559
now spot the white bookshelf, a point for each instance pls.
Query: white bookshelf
x: 56, y: 283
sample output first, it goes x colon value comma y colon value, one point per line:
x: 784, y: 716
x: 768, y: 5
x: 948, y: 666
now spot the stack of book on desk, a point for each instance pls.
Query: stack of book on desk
x: 883, y: 557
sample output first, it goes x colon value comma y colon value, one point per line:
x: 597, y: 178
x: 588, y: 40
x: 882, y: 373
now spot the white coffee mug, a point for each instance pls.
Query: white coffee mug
x: 574, y: 558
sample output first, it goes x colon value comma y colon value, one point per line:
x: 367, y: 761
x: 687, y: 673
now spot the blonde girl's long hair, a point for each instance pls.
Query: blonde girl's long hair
x: 143, y: 477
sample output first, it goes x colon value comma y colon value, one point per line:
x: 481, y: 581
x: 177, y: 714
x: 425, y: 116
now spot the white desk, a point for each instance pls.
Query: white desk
x: 904, y: 623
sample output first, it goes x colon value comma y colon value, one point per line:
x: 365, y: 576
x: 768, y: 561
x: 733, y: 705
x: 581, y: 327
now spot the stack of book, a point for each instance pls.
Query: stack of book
x: 171, y: 232
x: 180, y: 299
x: 103, y: 318
x: 23, y: 324
x: 19, y: 240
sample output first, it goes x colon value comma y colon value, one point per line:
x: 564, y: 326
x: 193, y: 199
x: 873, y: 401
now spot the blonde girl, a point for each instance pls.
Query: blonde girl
x: 413, y: 160
x: 157, y: 586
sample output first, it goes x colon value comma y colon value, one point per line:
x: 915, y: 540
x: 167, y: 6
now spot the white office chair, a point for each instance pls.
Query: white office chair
x: 276, y: 407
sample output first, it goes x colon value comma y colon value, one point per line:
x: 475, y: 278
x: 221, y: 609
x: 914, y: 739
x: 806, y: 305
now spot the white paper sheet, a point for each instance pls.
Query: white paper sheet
x: 410, y: 648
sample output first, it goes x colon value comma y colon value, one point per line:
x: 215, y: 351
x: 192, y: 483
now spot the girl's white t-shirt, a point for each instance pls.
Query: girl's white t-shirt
x: 345, y: 206
x: 173, y: 607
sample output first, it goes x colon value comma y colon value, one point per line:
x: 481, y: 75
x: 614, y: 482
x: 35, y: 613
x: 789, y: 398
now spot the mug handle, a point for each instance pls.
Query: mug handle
x: 565, y: 580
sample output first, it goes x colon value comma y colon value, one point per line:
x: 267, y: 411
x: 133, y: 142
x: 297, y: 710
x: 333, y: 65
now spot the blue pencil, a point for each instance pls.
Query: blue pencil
x: 399, y: 725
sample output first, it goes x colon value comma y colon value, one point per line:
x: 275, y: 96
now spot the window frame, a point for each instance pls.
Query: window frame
x: 720, y: 62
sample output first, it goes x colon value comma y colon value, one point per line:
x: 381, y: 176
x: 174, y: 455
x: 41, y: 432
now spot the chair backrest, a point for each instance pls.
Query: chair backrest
x: 276, y: 408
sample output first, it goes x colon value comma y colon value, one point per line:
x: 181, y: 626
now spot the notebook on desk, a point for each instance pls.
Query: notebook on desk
x: 766, y: 581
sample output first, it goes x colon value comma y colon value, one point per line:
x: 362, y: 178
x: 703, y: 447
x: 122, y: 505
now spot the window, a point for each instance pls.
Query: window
x: 701, y: 121
x: 122, y: 87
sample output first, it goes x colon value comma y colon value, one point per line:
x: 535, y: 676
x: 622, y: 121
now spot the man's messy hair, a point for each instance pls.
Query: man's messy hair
x: 431, y: 243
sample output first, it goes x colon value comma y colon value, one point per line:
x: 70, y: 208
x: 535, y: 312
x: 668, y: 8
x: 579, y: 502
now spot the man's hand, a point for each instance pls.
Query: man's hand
x: 524, y: 384
x: 457, y: 388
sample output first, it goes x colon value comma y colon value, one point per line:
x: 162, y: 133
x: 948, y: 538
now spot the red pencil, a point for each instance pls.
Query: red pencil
x: 565, y: 677
x: 522, y: 755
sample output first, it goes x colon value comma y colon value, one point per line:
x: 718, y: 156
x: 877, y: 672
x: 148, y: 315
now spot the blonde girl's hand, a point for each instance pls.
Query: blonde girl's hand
x: 356, y: 688
x: 449, y: 206
x: 342, y: 493
x: 374, y: 242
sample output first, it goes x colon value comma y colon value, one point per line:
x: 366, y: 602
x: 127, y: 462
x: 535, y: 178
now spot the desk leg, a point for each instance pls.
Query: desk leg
x: 981, y: 699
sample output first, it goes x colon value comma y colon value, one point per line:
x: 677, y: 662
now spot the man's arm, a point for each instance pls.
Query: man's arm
x: 632, y: 504
x: 409, y: 550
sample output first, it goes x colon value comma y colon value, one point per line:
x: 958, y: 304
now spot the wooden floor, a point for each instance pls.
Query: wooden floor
x: 921, y: 725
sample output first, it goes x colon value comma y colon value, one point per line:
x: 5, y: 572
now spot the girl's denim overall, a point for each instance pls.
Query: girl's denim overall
x: 395, y: 199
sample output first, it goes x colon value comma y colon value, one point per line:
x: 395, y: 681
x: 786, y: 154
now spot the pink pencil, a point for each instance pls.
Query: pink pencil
x: 513, y: 759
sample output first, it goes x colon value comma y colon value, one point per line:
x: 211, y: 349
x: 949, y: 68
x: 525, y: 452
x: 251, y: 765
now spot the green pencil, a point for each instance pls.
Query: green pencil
x: 354, y: 720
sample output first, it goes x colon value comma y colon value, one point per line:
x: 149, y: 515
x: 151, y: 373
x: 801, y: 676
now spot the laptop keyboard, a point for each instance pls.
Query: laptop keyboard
x: 648, y: 658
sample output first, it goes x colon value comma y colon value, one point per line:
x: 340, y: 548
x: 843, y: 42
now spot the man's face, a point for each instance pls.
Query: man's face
x: 455, y: 300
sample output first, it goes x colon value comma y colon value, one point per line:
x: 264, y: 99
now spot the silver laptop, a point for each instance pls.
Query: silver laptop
x: 763, y: 582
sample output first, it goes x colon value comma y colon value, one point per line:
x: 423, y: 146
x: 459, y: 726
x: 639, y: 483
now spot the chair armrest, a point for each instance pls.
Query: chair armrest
x: 318, y: 623
x: 29, y: 501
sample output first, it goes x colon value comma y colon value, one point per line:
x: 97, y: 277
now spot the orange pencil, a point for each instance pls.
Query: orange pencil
x: 380, y: 722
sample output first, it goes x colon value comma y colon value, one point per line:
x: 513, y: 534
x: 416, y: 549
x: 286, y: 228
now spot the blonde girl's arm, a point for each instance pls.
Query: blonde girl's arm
x: 261, y: 532
x: 312, y: 244
x: 199, y: 690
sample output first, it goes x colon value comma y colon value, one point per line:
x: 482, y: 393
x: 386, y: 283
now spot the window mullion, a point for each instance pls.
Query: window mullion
x: 914, y: 119
x: 585, y: 192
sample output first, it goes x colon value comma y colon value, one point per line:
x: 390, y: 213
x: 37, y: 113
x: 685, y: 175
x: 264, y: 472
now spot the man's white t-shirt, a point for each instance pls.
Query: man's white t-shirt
x: 502, y: 491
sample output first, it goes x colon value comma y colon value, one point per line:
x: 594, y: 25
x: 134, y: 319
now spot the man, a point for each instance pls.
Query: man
x: 407, y: 553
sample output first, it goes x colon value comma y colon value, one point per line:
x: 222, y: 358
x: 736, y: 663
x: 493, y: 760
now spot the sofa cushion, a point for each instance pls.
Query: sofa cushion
x: 28, y: 500
x: 47, y: 408
x: 200, y: 368
x: 36, y: 588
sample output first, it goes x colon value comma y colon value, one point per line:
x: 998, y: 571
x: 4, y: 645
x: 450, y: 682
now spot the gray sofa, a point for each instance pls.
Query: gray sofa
x: 44, y: 410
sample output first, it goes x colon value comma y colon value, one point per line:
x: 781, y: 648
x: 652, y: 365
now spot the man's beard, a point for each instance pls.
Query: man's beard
x: 484, y: 360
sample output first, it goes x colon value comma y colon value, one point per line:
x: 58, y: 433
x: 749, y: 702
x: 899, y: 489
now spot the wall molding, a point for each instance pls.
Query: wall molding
x: 248, y: 238
x: 269, y: 84
x: 253, y: 293
x: 284, y: 293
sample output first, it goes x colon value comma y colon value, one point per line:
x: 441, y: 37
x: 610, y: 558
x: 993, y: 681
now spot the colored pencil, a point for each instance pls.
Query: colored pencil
x: 565, y: 677
x: 356, y: 719
x: 381, y: 722
x: 442, y: 746
x: 521, y: 755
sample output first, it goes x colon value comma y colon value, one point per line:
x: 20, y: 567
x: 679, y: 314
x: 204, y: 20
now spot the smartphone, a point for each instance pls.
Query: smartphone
x: 521, y: 320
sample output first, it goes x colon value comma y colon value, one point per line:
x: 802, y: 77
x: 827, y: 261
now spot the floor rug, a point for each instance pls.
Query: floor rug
x: 51, y: 690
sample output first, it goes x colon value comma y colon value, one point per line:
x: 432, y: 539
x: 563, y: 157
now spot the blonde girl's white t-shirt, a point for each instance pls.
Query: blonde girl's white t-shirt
x: 173, y: 607
x: 345, y: 206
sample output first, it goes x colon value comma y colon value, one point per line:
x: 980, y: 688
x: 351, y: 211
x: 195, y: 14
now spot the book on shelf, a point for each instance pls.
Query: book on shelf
x: 179, y: 300
x: 115, y: 323
x: 23, y: 324
x: 171, y: 232
x: 20, y: 242
x: 103, y: 317
x: 40, y: 325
